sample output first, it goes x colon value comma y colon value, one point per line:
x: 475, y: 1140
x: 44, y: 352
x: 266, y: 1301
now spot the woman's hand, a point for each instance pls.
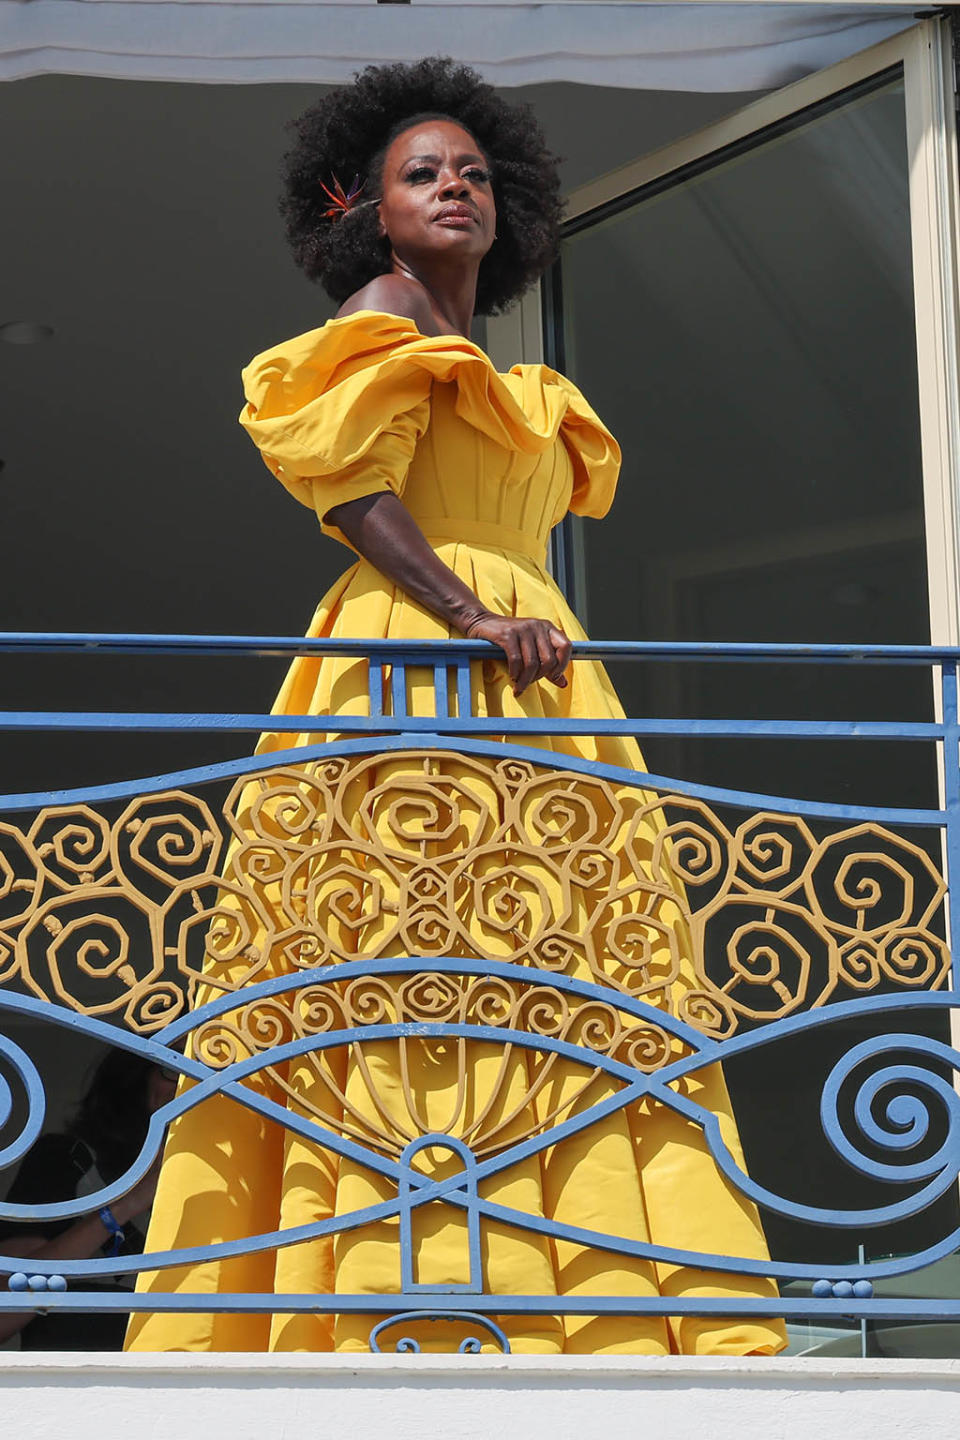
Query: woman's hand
x: 535, y: 649
x: 384, y: 532
x: 140, y: 1198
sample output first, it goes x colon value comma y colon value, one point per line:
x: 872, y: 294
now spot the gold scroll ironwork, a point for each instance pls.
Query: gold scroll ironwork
x: 436, y: 854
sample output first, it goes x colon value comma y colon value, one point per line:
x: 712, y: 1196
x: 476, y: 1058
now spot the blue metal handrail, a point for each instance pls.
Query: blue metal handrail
x: 451, y: 651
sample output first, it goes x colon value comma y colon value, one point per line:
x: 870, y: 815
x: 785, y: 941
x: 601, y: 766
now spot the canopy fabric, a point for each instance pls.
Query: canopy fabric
x: 707, y: 47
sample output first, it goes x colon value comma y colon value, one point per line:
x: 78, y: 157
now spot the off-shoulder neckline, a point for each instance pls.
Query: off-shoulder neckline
x: 412, y: 324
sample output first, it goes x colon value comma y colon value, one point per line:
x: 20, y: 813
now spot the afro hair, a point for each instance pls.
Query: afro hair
x: 346, y: 135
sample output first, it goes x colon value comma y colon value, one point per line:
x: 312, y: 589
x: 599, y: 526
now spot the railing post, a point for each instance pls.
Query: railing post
x: 466, y: 1182
x: 951, y: 798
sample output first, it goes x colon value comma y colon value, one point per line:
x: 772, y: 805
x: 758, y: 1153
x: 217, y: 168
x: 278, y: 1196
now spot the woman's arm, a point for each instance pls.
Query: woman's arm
x: 83, y: 1239
x: 79, y: 1241
x: 382, y: 529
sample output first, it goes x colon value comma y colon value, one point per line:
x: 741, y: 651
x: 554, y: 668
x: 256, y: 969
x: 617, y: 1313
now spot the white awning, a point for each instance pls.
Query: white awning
x: 708, y: 46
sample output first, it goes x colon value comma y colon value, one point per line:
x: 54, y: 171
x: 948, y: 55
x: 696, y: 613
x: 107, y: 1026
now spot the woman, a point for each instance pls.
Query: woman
x: 418, y: 198
x: 102, y: 1141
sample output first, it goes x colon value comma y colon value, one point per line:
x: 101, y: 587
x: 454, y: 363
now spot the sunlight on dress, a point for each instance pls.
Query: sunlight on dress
x: 448, y: 855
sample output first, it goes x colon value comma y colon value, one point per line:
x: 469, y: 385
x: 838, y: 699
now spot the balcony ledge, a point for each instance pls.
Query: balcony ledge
x: 554, y: 1397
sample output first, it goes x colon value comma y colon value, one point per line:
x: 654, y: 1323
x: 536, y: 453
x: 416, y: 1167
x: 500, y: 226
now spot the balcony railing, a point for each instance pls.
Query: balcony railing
x: 806, y: 917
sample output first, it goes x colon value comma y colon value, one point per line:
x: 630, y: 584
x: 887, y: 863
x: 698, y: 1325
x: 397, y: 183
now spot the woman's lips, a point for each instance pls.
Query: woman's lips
x: 458, y: 217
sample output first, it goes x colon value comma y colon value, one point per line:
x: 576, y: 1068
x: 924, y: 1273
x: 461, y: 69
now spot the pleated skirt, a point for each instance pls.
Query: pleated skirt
x: 447, y: 855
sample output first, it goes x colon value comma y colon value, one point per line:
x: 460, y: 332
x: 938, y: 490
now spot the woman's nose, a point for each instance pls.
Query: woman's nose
x: 453, y: 186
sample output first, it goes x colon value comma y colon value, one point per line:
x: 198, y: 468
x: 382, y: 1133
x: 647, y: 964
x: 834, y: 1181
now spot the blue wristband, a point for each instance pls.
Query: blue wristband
x: 110, y: 1222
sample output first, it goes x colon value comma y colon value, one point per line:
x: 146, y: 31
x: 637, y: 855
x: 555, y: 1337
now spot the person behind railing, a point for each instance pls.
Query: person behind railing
x: 104, y: 1137
x: 419, y: 198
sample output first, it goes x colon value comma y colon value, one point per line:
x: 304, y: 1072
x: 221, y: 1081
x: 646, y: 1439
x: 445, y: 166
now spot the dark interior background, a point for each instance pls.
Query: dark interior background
x: 749, y: 323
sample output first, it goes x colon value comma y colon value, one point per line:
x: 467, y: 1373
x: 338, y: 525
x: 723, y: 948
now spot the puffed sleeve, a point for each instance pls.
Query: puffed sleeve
x: 556, y: 410
x: 333, y: 418
x: 383, y: 467
x: 595, y: 455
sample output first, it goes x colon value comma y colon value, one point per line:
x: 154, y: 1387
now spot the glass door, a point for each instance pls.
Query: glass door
x: 763, y: 314
x: 746, y: 326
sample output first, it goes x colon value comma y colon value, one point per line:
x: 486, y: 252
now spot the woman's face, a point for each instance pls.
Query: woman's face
x: 437, y: 199
x: 161, y: 1087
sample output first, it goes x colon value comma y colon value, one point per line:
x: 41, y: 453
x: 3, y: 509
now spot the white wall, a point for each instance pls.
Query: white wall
x: 249, y: 1397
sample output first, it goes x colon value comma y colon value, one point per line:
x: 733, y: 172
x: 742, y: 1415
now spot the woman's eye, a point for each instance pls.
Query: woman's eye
x: 476, y: 173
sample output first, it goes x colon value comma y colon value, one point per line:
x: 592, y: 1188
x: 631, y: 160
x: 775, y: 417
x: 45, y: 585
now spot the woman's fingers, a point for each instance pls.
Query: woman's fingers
x: 545, y: 651
x: 550, y: 667
x: 534, y: 649
x: 563, y: 645
x: 563, y: 649
x: 530, y: 652
x: 510, y: 644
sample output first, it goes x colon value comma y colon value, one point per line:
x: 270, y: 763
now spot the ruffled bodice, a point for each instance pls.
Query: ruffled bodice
x: 368, y: 404
x: 486, y: 463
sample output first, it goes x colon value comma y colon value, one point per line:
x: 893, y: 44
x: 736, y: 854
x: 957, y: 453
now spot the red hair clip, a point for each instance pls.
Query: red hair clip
x: 342, y: 201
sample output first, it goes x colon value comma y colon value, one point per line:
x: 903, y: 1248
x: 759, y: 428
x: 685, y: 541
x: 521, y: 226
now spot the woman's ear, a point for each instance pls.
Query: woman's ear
x: 381, y: 228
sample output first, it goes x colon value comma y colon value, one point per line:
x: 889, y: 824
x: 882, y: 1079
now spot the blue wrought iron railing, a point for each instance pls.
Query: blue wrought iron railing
x: 804, y: 915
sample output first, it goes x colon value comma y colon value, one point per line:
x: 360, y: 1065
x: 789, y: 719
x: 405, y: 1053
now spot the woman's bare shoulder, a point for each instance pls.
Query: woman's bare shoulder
x: 394, y: 295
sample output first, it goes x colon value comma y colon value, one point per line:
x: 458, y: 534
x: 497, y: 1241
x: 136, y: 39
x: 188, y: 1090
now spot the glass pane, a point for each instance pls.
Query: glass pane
x: 748, y: 334
x: 747, y: 331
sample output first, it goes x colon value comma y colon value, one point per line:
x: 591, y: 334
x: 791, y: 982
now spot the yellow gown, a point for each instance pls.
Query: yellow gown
x: 487, y: 463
